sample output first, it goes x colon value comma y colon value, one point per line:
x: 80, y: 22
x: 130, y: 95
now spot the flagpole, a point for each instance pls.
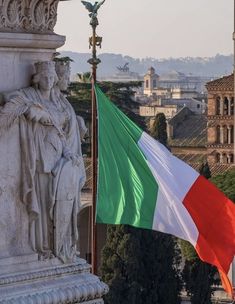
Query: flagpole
x: 94, y: 41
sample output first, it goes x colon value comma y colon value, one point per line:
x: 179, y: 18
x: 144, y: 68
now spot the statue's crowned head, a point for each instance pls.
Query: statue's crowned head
x: 63, y: 73
x: 44, y: 66
x: 45, y: 75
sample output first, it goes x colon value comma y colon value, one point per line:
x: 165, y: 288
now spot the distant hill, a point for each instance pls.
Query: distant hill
x: 207, y: 67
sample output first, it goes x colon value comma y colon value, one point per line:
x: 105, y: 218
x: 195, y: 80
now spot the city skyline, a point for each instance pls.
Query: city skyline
x: 159, y: 29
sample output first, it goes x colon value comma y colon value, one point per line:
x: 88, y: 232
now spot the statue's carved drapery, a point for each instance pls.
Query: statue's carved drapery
x: 32, y: 16
x: 52, y: 168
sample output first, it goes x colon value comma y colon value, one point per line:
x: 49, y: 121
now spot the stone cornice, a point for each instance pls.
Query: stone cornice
x: 51, y: 272
x: 220, y: 146
x: 68, y: 283
x: 72, y: 291
x: 34, y: 16
x: 31, y: 41
x: 220, y: 117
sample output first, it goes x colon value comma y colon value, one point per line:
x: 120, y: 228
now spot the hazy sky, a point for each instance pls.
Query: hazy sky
x: 151, y: 28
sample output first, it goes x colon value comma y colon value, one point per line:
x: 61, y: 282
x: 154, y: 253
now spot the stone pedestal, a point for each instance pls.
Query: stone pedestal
x: 50, y: 282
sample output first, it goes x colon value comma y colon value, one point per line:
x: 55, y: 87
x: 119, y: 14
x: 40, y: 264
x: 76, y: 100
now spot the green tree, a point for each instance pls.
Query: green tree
x: 226, y: 183
x: 137, y: 270
x: 205, y: 170
x: 158, y: 129
x: 122, y: 95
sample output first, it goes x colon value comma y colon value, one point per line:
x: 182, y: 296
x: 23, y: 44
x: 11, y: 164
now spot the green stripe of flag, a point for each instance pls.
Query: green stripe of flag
x: 127, y: 190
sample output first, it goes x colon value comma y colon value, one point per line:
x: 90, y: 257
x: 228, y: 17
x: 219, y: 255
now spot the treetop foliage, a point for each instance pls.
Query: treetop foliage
x: 158, y: 129
x: 226, y: 183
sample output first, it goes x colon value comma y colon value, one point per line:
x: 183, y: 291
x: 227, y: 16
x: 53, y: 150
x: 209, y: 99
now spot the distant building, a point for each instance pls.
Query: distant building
x: 187, y: 137
x: 180, y: 93
x: 176, y: 83
x: 220, y: 133
x: 170, y: 107
x: 152, y: 111
x: 195, y: 105
x: 150, y: 82
x: 123, y: 74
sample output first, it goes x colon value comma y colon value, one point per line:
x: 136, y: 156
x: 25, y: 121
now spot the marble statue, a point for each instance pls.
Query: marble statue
x: 52, y: 169
x: 63, y: 73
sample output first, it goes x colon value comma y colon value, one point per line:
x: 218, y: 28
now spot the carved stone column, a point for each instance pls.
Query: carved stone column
x: 221, y: 105
x: 221, y: 158
x: 229, y: 134
x: 229, y: 105
x: 221, y: 134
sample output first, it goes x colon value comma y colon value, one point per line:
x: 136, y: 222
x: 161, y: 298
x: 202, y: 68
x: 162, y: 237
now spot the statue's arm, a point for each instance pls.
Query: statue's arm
x: 14, y: 106
x: 17, y: 104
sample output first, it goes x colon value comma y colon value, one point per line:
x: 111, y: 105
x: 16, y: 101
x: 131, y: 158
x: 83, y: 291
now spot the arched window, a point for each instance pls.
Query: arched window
x: 225, y: 106
x: 218, y: 134
x: 217, y: 156
x: 232, y: 106
x: 217, y: 105
x: 154, y: 83
x: 147, y: 84
x: 232, y: 134
x: 232, y: 158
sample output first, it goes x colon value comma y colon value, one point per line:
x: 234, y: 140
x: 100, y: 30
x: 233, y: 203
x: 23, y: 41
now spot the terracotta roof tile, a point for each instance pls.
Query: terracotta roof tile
x: 225, y: 83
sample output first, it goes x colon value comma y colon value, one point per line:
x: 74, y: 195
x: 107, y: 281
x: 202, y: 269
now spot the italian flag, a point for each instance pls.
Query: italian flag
x: 140, y: 183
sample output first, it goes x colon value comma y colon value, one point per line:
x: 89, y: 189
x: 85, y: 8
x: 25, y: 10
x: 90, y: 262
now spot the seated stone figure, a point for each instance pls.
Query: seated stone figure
x: 52, y: 169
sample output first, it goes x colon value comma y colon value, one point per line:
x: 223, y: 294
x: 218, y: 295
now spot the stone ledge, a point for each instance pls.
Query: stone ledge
x: 80, y: 267
x: 221, y: 146
x: 33, y: 41
x: 219, y: 117
x: 63, y: 289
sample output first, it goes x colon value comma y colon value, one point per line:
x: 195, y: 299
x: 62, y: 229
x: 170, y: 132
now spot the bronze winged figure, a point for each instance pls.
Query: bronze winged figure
x: 92, y: 8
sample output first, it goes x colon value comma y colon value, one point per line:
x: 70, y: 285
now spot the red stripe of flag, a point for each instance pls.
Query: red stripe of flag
x: 214, y: 216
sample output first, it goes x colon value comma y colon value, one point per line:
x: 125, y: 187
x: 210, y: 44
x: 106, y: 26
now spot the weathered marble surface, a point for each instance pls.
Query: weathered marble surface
x: 31, y: 16
x: 51, y: 169
x: 26, y: 36
x: 18, y: 52
x: 70, y: 283
x: 13, y: 215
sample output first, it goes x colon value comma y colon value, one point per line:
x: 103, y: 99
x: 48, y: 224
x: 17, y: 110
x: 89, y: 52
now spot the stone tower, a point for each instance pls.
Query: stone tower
x: 150, y: 82
x: 220, y: 135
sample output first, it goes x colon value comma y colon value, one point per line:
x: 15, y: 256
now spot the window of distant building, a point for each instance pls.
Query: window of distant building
x: 232, y: 106
x: 147, y: 83
x: 198, y: 106
x: 154, y: 83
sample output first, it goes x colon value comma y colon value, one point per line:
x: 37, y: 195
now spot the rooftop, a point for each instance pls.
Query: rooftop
x: 191, y: 132
x: 196, y: 160
x: 225, y: 83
